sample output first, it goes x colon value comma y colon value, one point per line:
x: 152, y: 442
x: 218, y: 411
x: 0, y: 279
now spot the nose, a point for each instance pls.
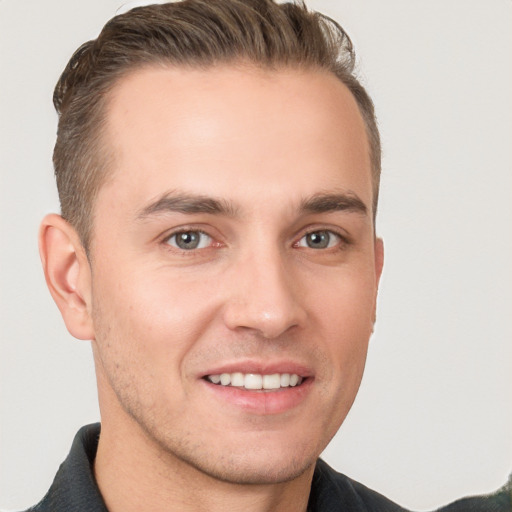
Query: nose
x: 264, y: 296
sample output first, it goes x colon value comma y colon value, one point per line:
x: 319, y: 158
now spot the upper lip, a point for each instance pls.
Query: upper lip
x: 261, y: 367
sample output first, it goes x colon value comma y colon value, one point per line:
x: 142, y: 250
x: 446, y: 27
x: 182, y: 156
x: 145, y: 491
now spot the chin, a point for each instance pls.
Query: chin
x: 248, y: 470
x: 257, y: 460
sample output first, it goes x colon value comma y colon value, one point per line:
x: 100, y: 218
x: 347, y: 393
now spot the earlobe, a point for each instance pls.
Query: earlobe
x: 67, y: 273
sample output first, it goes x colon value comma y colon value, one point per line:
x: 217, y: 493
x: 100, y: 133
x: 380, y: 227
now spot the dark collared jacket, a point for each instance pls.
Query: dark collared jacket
x: 74, y: 488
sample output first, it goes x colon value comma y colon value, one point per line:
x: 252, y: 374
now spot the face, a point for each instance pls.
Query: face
x: 234, y: 266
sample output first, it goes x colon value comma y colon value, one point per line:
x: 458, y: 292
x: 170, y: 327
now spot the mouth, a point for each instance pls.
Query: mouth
x: 259, y: 387
x: 256, y: 381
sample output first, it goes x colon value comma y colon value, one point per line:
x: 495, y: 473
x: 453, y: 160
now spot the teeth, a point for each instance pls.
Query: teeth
x: 215, y: 379
x: 285, y: 380
x: 237, y: 379
x: 253, y: 381
x: 272, y: 381
x: 256, y: 380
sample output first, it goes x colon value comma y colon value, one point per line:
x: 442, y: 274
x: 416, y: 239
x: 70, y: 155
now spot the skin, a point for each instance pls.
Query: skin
x: 265, y: 146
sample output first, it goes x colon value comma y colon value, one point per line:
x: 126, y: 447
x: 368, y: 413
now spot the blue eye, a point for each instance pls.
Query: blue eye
x: 319, y: 240
x: 190, y: 240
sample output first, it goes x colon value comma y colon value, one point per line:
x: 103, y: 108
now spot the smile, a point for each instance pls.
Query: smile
x: 255, y: 381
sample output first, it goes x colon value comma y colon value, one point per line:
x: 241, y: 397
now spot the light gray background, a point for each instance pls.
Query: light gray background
x: 433, y: 420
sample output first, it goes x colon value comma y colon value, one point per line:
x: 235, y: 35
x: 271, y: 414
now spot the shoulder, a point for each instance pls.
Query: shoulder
x: 74, y: 487
x: 332, y: 491
x: 499, y: 501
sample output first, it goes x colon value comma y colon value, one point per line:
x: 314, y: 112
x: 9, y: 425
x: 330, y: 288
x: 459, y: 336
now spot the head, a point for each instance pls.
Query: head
x: 198, y: 34
x: 218, y: 166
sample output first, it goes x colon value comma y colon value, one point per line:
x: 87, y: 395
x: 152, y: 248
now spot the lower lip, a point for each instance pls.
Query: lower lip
x: 261, y: 401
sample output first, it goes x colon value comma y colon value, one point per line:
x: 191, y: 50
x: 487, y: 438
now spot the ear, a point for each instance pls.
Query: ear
x: 67, y: 273
x: 379, y: 258
x: 379, y: 263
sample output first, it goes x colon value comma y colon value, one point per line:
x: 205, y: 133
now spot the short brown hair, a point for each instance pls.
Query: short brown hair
x: 200, y: 33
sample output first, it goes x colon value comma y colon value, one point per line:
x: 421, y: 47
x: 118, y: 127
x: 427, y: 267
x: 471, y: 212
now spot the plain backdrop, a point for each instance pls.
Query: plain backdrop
x: 433, y: 419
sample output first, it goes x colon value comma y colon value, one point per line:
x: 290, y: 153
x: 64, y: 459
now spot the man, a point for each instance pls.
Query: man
x: 218, y: 169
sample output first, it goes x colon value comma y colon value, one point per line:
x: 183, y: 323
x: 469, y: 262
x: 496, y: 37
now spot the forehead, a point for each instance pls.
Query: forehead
x: 237, y: 130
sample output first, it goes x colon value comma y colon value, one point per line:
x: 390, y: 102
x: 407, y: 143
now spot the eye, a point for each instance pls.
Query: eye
x: 319, y: 240
x: 189, y: 240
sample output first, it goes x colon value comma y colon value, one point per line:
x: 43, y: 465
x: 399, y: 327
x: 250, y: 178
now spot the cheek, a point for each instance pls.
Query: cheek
x: 144, y: 330
x: 344, y: 323
x: 151, y: 314
x: 346, y: 302
x: 345, y: 316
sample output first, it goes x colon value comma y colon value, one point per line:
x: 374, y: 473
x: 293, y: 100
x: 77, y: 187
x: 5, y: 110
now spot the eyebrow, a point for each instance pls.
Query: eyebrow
x: 177, y: 202
x: 186, y: 203
x: 333, y: 202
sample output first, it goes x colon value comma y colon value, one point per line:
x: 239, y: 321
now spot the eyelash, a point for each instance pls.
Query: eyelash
x: 175, y: 234
x: 342, y: 242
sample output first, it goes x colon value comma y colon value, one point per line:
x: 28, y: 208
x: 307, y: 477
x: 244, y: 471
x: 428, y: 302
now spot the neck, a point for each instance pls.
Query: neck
x: 134, y: 474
